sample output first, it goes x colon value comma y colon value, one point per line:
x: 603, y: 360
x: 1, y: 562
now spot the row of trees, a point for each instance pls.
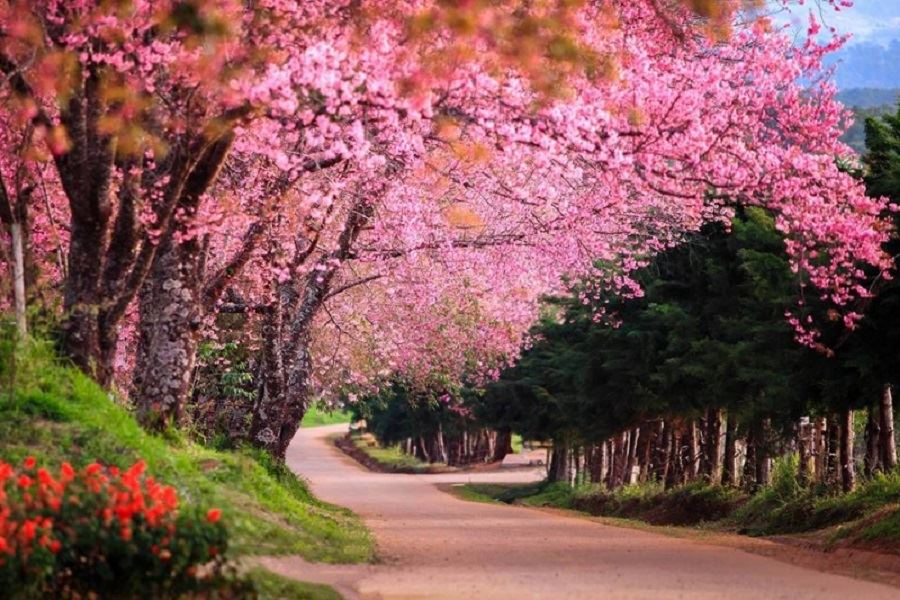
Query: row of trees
x: 700, y: 377
x: 370, y: 186
x: 432, y: 424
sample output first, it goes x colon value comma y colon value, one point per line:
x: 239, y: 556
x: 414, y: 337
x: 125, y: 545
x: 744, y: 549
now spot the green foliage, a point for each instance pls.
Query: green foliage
x: 57, y: 414
x: 320, y: 414
x: 708, y: 331
x: 389, y: 457
x: 269, y: 586
x: 685, y: 505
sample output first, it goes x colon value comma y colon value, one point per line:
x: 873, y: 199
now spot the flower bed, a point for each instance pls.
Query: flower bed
x: 103, y: 531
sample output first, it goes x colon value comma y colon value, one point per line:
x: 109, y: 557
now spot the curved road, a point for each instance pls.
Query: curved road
x: 433, y: 545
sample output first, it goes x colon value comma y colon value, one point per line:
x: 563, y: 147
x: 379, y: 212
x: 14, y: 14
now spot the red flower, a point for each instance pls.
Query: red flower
x: 55, y: 546
x: 25, y: 481
x: 28, y: 531
x: 213, y: 515
x: 93, y: 468
x: 67, y: 473
x: 29, y: 462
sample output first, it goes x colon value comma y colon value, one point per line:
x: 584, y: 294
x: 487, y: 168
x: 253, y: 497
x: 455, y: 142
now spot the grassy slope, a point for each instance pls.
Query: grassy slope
x: 318, y: 415
x: 56, y: 413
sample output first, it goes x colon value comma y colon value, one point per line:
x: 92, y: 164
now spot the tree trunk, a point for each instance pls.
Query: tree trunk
x: 18, y: 268
x: 804, y: 444
x: 888, y: 444
x: 557, y: 469
x: 648, y: 440
x: 631, y: 462
x: 874, y: 446
x: 674, y: 470
x: 713, y: 446
x: 833, y: 468
x: 763, y: 454
x: 820, y: 448
x: 692, y: 469
x: 848, y: 472
x: 730, y: 460
x: 750, y: 463
x: 503, y: 445
x: 169, y: 327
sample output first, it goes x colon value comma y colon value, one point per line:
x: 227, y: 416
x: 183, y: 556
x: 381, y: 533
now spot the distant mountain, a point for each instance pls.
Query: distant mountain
x: 868, y: 65
x: 869, y: 97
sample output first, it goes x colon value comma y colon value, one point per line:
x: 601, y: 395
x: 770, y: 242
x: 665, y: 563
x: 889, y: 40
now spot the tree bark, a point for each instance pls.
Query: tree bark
x: 848, y: 471
x: 168, y: 336
x: 804, y: 443
x: 631, y: 462
x: 833, y: 468
x: 713, y: 446
x: 730, y: 474
x: 693, y: 451
x: 18, y: 248
x: 557, y: 469
x: 873, y: 440
x: 820, y: 448
x: 888, y: 443
x: 503, y: 445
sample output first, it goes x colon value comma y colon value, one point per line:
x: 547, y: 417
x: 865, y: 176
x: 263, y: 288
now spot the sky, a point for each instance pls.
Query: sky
x: 870, y: 21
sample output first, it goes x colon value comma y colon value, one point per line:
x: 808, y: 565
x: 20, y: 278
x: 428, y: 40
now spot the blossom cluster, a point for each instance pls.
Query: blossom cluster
x: 99, y: 526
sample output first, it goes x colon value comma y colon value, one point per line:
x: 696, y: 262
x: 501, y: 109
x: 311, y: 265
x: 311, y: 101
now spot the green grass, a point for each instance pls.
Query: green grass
x: 869, y: 517
x: 319, y: 415
x: 389, y: 457
x: 687, y: 505
x: 275, y: 587
x: 867, y: 514
x: 57, y: 414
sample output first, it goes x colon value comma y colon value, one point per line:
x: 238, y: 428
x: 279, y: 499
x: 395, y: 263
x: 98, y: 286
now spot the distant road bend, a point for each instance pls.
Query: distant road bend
x: 435, y: 546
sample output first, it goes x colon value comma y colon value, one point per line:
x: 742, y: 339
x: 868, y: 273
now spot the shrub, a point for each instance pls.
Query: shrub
x: 102, y: 531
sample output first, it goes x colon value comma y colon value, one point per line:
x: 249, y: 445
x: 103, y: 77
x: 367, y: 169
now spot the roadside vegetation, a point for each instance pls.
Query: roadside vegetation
x: 319, y: 415
x: 56, y: 414
x: 867, y: 518
x: 365, y: 449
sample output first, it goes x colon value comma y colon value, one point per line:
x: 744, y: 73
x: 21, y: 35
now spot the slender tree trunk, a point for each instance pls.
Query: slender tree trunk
x: 693, y: 451
x: 848, y: 471
x: 18, y: 265
x: 833, y: 468
x: 714, y: 434
x: 764, y: 454
x: 888, y: 443
x: 674, y: 470
x: 820, y: 448
x: 631, y: 462
x: 730, y: 460
x: 873, y: 440
x: 804, y: 444
x: 750, y: 475
x: 648, y: 440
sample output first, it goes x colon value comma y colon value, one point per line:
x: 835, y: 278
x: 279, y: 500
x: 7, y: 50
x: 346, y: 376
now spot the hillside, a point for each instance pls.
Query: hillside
x: 56, y: 414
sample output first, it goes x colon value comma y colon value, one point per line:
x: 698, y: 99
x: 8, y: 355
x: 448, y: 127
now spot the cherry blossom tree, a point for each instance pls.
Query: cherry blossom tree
x: 383, y: 183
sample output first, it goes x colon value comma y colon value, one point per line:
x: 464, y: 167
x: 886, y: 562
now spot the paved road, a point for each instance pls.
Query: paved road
x: 433, y: 545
